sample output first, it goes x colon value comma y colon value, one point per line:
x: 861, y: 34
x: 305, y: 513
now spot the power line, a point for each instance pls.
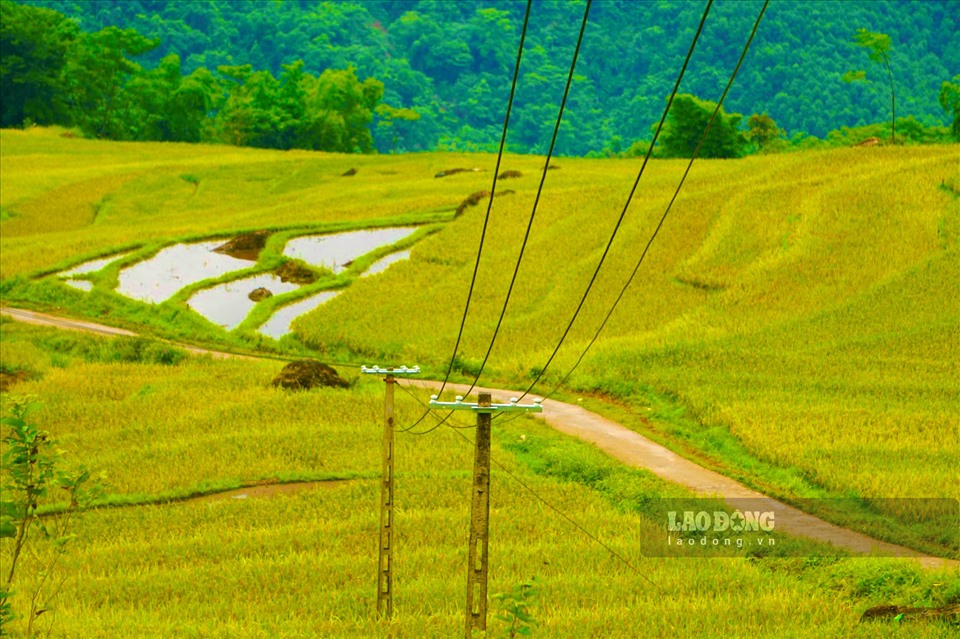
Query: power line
x: 536, y: 202
x: 526, y: 237
x: 548, y: 504
x: 673, y: 199
x: 623, y: 213
x: 486, y: 219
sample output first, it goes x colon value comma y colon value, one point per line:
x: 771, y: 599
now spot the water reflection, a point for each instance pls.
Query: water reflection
x: 171, y: 269
x: 92, y: 266
x: 83, y: 285
x: 228, y: 304
x: 279, y: 324
x: 385, y: 262
x: 338, y: 250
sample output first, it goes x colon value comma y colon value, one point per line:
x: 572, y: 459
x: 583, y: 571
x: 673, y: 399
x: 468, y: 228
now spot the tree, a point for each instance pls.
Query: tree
x: 762, y: 130
x: 34, y: 43
x: 251, y: 115
x: 686, y: 122
x: 96, y: 77
x: 878, y: 48
x: 339, y: 112
x: 950, y: 101
x: 391, y: 123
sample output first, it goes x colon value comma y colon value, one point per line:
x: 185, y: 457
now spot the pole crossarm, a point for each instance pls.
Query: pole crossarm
x: 389, y: 370
x: 512, y: 407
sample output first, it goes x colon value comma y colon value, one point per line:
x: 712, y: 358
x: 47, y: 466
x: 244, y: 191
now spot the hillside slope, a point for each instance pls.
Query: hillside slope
x: 794, y: 323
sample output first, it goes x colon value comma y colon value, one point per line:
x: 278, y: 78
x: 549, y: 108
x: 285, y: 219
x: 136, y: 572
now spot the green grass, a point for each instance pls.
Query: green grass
x: 304, y: 564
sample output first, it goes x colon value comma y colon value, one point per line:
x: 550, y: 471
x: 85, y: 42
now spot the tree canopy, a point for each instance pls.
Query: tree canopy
x: 444, y: 68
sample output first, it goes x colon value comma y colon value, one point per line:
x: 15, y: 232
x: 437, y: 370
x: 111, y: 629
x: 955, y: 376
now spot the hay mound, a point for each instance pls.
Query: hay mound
x: 455, y: 171
x: 293, y: 272
x: 245, y: 247
x: 259, y: 294
x: 869, y: 142
x: 306, y: 374
x: 473, y: 200
x: 348, y: 173
x: 506, y: 175
x: 507, y: 192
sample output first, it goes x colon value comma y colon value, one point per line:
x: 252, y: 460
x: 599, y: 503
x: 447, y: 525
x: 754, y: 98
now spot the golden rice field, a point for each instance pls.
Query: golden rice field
x: 303, y: 564
x: 794, y: 325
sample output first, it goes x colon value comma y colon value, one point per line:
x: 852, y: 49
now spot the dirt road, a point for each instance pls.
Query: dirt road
x: 621, y: 443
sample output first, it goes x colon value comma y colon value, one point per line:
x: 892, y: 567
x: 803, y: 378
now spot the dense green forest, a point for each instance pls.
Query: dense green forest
x: 401, y: 75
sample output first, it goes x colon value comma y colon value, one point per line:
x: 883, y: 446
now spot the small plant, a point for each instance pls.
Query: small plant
x: 514, y: 608
x: 32, y: 546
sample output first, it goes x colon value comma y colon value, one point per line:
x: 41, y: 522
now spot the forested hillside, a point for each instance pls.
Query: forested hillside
x: 449, y: 63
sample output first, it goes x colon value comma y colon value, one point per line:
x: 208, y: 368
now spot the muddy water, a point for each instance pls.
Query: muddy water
x: 385, y: 262
x: 174, y: 267
x: 279, y: 324
x: 228, y: 304
x: 338, y: 250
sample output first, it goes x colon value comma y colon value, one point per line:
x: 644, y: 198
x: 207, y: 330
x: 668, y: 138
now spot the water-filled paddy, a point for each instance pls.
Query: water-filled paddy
x: 228, y: 304
x: 174, y: 267
x: 338, y: 250
x: 279, y: 324
x: 158, y: 278
x: 385, y: 262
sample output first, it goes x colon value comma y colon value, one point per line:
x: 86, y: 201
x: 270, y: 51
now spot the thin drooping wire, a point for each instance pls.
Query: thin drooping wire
x: 536, y: 201
x: 696, y: 153
x: 486, y: 219
x: 616, y: 228
x: 533, y: 213
x: 546, y: 503
x: 448, y: 420
x: 683, y: 179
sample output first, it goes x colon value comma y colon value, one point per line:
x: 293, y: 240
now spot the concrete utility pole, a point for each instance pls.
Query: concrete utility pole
x: 385, y: 564
x: 480, y: 506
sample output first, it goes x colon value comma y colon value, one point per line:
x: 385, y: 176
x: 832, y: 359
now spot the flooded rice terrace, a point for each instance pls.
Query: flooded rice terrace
x: 158, y: 278
x: 337, y: 252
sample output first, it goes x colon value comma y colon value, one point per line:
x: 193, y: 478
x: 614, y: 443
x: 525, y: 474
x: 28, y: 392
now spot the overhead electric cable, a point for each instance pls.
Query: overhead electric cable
x: 623, y: 213
x: 673, y: 199
x: 486, y: 219
x: 533, y: 213
x: 549, y: 505
x: 696, y: 153
x: 536, y: 201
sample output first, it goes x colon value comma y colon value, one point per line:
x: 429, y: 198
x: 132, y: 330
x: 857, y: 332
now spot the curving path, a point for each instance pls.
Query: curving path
x: 621, y: 443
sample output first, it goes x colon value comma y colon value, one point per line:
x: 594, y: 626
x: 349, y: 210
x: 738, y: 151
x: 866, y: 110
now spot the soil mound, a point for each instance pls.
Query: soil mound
x: 506, y: 175
x: 473, y: 200
x: 259, y: 294
x: 455, y: 171
x: 245, y: 247
x: 306, y: 374
x: 348, y: 173
x: 293, y: 272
